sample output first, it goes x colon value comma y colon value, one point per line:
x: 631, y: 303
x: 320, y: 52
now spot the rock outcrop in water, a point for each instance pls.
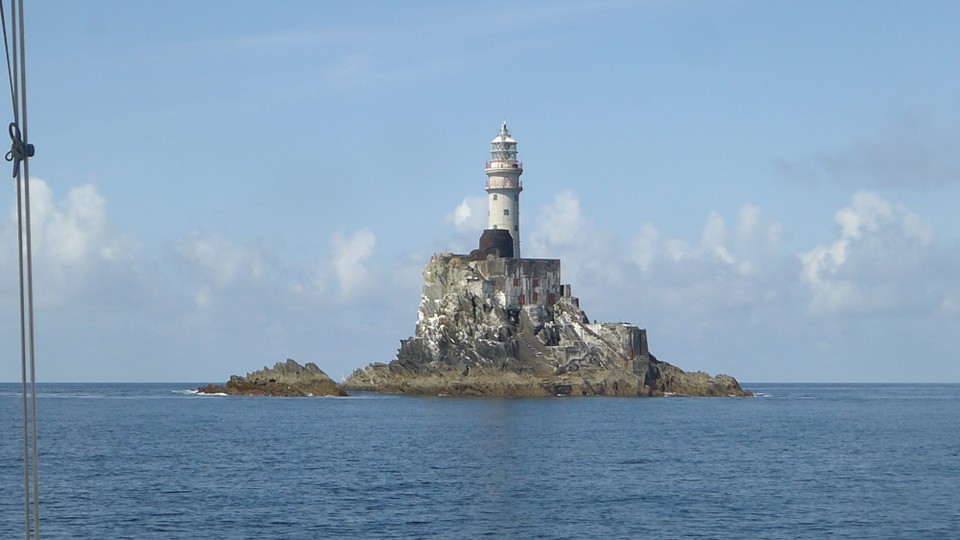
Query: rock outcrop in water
x: 286, y: 379
x: 505, y: 327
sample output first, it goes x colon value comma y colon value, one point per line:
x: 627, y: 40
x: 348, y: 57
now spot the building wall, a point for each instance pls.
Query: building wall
x: 524, y: 281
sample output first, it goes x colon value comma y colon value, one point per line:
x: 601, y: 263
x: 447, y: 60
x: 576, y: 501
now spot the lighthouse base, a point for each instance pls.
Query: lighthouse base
x: 494, y: 243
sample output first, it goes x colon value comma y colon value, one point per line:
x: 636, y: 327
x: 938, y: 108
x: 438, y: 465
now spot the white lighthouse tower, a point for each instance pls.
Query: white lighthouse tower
x: 504, y: 187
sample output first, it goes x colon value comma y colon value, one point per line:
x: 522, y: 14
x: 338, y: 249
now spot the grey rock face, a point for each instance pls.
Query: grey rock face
x: 287, y: 379
x: 473, y: 338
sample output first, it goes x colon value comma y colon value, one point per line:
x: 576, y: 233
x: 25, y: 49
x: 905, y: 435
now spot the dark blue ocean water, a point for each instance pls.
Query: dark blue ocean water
x: 802, y: 461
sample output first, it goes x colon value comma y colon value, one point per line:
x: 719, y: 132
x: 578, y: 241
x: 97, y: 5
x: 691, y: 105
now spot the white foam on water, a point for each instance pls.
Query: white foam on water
x: 204, y: 394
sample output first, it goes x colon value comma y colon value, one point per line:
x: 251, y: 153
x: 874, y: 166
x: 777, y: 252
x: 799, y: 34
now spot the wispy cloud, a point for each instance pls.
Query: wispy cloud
x: 409, y: 46
x: 281, y: 42
x: 914, y: 152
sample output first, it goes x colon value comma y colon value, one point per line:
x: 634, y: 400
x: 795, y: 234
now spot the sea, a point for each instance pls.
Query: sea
x: 796, y: 461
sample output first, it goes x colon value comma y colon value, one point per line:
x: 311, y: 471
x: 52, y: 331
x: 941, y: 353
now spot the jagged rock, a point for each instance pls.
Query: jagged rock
x: 287, y: 379
x: 469, y: 340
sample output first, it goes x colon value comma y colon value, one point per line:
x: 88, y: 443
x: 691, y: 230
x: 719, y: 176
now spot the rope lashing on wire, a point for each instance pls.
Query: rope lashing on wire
x: 19, y: 150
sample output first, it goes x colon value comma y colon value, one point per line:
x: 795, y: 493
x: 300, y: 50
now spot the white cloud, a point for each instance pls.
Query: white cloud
x: 731, y: 299
x: 749, y: 247
x: 75, y: 250
x: 470, y: 216
x: 713, y: 238
x: 347, y: 270
x: 74, y: 232
x: 561, y: 223
x: 561, y: 230
x: 350, y: 259
x: 223, y: 268
x: 866, y: 214
x: 873, y: 264
x: 645, y: 247
x: 728, y: 268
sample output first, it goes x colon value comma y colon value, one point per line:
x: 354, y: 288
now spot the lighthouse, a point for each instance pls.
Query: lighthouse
x: 503, y: 190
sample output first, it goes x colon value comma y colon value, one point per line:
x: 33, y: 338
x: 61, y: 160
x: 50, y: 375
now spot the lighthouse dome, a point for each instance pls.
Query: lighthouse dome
x: 504, y: 135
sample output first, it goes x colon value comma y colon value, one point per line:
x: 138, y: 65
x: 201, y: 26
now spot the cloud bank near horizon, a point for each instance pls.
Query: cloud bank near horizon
x: 208, y: 305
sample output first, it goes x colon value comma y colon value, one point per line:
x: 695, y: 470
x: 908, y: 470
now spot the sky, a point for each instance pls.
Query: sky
x: 769, y: 188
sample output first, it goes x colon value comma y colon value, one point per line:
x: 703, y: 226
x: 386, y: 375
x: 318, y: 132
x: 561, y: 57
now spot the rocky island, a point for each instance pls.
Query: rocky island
x: 285, y: 379
x: 492, y: 323
x: 471, y: 340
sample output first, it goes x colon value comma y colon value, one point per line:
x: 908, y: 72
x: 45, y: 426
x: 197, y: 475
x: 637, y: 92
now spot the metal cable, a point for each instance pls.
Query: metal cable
x: 20, y: 152
x: 26, y: 191
x: 6, y: 49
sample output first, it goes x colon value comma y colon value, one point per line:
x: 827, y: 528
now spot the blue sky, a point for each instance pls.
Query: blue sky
x: 768, y: 187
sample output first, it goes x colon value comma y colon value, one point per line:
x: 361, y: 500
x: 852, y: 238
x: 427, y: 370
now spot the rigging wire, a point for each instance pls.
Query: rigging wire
x: 20, y: 153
